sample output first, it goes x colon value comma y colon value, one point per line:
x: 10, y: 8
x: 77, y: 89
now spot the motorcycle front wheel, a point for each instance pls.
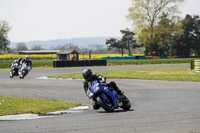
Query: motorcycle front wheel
x: 11, y: 74
x: 107, y: 106
x: 23, y: 74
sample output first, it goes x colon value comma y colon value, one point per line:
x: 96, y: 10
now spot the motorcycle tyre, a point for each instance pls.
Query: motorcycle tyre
x: 11, y: 74
x: 95, y: 106
x: 126, y: 104
x: 21, y: 76
x: 101, y: 103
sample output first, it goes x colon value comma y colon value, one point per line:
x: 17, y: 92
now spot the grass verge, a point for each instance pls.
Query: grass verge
x: 48, y: 63
x: 12, y: 106
x: 149, y: 61
x: 36, y: 63
x: 168, y: 74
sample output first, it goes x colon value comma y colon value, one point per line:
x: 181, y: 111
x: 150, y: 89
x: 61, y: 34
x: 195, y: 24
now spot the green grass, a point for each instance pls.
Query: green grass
x: 149, y: 61
x: 36, y: 63
x: 12, y: 106
x: 168, y: 74
x: 49, y: 62
x: 4, y: 69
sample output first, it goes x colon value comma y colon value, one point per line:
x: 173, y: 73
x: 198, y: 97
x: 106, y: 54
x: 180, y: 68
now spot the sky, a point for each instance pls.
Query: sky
x: 33, y: 20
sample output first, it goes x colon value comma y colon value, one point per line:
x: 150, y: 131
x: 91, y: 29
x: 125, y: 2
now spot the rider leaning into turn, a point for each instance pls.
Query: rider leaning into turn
x: 27, y: 60
x: 89, y: 77
x: 17, y: 61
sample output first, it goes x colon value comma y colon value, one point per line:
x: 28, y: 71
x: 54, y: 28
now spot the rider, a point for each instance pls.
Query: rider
x: 89, y: 77
x: 18, y: 62
x: 27, y: 61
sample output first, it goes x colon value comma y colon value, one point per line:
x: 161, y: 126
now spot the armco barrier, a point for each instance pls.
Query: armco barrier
x: 119, y: 58
x: 80, y: 63
x: 136, y: 57
x: 155, y: 57
x: 142, y: 57
x: 163, y: 57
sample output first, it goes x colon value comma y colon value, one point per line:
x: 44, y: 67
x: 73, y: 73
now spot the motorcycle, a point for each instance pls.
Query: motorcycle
x: 24, y: 70
x: 106, y: 97
x: 14, y: 70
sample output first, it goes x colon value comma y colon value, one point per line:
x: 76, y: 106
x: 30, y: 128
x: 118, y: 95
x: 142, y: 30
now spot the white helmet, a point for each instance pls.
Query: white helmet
x: 27, y: 57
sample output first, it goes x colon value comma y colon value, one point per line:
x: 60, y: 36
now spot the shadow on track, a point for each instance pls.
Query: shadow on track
x: 116, y: 111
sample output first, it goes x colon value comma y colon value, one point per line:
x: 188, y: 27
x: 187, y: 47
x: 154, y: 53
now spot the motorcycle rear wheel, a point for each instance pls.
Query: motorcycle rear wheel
x: 106, y: 106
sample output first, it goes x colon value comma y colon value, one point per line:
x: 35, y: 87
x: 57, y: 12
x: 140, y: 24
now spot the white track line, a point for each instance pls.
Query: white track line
x: 45, y: 77
x: 36, y: 116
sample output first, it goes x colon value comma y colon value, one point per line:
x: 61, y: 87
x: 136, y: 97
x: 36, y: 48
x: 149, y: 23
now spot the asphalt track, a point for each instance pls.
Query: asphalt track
x: 157, y: 106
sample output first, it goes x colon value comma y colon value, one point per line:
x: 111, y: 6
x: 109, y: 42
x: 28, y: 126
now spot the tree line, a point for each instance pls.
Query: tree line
x: 156, y: 27
x: 97, y: 49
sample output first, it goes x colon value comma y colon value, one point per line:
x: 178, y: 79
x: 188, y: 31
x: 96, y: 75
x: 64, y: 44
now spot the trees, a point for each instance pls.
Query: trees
x: 36, y: 47
x: 165, y: 35
x: 127, y: 42
x: 113, y: 43
x: 21, y: 46
x: 4, y: 29
x: 189, y: 41
x: 146, y: 14
x: 68, y: 46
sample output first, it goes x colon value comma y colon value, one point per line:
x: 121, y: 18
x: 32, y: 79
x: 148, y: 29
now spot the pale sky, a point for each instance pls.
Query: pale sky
x: 60, y: 19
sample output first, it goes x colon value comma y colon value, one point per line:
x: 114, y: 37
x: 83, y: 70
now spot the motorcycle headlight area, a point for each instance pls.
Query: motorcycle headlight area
x: 90, y: 95
x: 97, y: 88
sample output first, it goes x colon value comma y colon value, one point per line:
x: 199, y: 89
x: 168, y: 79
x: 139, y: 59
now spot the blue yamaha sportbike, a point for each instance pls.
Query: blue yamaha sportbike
x: 106, y: 97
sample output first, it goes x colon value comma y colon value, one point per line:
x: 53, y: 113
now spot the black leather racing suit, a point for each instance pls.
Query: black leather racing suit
x: 101, y: 79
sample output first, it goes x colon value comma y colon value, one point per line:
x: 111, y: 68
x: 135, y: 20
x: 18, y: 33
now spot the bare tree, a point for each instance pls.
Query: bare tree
x: 36, y: 47
x: 21, y: 46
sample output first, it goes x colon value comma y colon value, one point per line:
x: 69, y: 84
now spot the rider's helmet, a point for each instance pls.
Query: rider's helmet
x: 87, y: 74
x: 19, y: 59
x: 27, y: 57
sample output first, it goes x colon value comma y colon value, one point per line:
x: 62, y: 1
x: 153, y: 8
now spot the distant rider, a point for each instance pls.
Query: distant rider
x: 18, y: 63
x: 27, y: 61
x: 89, y: 77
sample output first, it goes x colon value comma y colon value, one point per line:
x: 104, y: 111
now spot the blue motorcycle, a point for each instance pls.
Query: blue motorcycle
x: 106, y: 97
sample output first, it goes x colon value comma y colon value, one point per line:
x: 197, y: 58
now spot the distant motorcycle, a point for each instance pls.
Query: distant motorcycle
x: 106, y: 97
x: 24, y: 70
x: 14, y: 70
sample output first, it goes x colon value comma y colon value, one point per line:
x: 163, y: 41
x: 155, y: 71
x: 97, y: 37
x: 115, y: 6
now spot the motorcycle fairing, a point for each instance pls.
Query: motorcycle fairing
x: 96, y: 88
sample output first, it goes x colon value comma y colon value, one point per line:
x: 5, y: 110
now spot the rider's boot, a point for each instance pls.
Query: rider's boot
x: 116, y: 88
x: 119, y: 91
x: 121, y: 94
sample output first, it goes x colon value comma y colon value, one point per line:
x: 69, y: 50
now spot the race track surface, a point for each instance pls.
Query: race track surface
x: 157, y: 106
